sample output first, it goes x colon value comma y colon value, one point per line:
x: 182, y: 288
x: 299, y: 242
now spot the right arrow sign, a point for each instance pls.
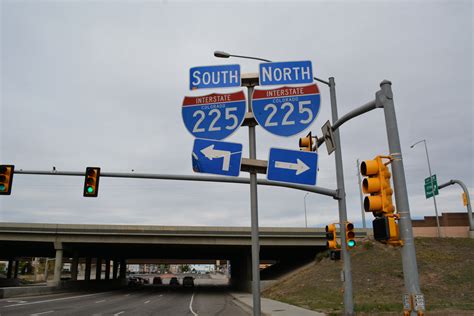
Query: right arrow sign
x: 292, y: 166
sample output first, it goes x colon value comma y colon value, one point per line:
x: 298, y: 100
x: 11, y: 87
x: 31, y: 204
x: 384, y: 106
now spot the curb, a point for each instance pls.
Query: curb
x: 246, y: 307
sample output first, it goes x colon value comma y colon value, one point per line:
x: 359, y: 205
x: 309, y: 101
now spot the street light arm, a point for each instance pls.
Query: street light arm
x: 221, y: 54
x: 417, y: 143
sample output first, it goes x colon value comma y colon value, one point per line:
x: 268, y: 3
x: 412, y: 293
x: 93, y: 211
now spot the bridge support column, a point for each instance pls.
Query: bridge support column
x: 241, y: 273
x: 87, y: 273
x: 107, y: 268
x: 58, y: 263
x: 10, y: 269
x: 123, y: 269
x: 17, y: 266
x: 98, y: 268
x: 115, y: 269
x: 74, y: 266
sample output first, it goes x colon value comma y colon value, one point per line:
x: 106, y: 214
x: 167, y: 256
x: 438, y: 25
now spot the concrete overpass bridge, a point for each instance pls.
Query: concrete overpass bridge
x: 286, y: 247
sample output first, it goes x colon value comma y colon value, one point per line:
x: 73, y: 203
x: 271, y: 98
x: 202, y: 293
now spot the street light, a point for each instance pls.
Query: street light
x: 432, y: 185
x: 348, y: 297
x: 305, y: 217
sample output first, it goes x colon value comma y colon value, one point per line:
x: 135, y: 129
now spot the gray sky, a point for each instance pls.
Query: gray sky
x: 101, y: 83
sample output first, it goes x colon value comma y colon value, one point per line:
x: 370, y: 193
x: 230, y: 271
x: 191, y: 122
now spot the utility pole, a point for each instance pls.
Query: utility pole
x: 346, y: 258
x: 410, y: 268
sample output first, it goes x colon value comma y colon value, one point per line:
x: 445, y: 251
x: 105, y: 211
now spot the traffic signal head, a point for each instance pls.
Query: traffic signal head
x: 331, y: 242
x: 350, y: 236
x: 6, y: 179
x: 386, y: 230
x: 91, y: 182
x: 377, y: 184
x: 306, y: 143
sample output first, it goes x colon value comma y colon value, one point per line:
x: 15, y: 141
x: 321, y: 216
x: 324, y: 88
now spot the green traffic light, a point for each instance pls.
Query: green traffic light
x: 90, y: 189
x: 351, y: 243
x: 2, y: 187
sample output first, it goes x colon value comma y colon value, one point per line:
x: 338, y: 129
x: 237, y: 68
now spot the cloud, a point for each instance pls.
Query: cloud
x: 101, y: 84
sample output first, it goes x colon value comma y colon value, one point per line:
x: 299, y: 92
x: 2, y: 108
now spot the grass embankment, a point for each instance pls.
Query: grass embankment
x: 446, y: 268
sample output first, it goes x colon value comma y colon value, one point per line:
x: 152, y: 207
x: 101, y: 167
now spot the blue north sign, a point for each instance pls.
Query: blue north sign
x: 290, y: 72
x: 222, y: 76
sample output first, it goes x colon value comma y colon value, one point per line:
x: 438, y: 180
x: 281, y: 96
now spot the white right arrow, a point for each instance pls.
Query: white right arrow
x: 299, y: 166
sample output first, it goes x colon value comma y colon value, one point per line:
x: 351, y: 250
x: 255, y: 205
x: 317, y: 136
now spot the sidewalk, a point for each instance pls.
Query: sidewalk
x: 271, y: 307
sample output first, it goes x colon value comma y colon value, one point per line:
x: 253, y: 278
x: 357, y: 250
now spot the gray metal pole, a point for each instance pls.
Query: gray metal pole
x: 348, y: 299
x: 254, y: 215
x: 362, y: 210
x: 432, y: 185
x: 180, y: 177
x: 305, y: 216
x: 410, y: 268
x: 466, y: 192
x: 432, y: 189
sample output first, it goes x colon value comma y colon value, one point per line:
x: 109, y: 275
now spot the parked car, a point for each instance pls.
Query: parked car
x: 157, y: 280
x: 188, y: 281
x: 174, y: 281
x: 134, y: 281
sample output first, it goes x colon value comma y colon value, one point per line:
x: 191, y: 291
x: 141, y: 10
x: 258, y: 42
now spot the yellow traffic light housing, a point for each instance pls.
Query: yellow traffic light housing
x: 91, y: 182
x: 6, y: 179
x: 386, y: 229
x: 306, y: 143
x: 331, y: 242
x: 377, y: 184
x: 350, y: 236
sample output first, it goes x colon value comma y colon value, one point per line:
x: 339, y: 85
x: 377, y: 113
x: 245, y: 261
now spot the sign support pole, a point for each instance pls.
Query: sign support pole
x: 410, y: 268
x: 347, y: 273
x: 254, y: 211
x: 433, y: 190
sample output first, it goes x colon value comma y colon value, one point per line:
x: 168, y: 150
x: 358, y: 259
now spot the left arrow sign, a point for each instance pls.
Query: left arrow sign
x: 223, y: 158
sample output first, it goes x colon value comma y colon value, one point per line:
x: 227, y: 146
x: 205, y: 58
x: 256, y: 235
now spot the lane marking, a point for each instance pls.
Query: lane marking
x: 127, y: 294
x: 16, y: 301
x: 146, y: 302
x: 191, y: 305
x: 100, y: 301
x: 116, y: 314
x: 42, y: 313
x: 57, y: 299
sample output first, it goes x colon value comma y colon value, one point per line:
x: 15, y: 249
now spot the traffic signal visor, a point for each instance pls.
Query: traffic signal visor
x: 91, y: 183
x: 306, y: 143
x: 6, y: 179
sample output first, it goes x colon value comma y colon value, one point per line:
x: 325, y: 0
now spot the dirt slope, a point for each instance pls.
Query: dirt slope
x: 446, y: 268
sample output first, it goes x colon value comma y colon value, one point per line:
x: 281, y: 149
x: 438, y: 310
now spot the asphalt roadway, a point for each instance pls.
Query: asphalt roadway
x: 145, y: 300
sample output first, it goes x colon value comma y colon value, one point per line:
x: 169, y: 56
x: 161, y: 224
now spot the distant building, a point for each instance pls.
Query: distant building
x: 452, y: 225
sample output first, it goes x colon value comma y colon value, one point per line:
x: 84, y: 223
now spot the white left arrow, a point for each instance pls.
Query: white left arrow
x: 210, y: 153
x: 299, y: 166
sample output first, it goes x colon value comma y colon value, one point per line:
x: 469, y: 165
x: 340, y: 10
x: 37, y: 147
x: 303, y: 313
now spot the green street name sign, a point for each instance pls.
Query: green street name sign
x: 429, y: 182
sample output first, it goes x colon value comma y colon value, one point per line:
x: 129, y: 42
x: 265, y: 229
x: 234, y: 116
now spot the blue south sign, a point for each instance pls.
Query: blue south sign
x: 214, y: 116
x: 222, y: 76
x: 289, y: 72
x: 286, y: 111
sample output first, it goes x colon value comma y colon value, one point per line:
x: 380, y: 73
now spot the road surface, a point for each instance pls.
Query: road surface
x: 147, y: 300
